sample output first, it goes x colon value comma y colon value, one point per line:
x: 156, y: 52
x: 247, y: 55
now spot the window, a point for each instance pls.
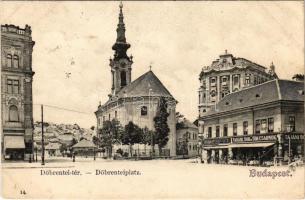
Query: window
x: 217, y: 131
x: 103, y: 118
x: 270, y: 125
x: 16, y: 61
x: 264, y: 125
x: 257, y: 127
x: 247, y: 80
x: 9, y: 60
x: 116, y: 114
x: 123, y: 79
x: 209, y: 132
x: 109, y: 117
x: 225, y: 130
x: 235, y: 80
x: 13, y: 114
x: 245, y: 127
x: 291, y: 123
x: 12, y: 86
x: 213, y: 80
x: 143, y: 110
x: 234, y: 129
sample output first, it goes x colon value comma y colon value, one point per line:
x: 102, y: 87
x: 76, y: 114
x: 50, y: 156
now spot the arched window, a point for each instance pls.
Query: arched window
x: 143, y: 110
x: 123, y: 79
x: 9, y: 60
x: 13, y: 114
x: 16, y: 61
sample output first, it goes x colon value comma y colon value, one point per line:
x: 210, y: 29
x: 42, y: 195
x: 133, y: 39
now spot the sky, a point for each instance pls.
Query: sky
x: 176, y: 38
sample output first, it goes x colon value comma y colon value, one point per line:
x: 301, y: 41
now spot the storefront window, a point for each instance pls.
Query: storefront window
x: 225, y: 130
x: 291, y: 123
x: 264, y: 125
x: 245, y: 127
x: 209, y: 132
x: 217, y: 131
x: 270, y: 125
x: 234, y: 129
x: 257, y: 127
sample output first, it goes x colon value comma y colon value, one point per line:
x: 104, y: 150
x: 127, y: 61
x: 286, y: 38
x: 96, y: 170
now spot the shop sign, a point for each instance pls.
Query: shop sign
x: 294, y: 137
x: 254, y: 138
x: 216, y: 141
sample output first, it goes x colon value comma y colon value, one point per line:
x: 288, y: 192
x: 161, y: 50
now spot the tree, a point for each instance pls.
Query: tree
x: 147, y: 137
x: 179, y: 120
x: 133, y: 134
x: 96, y: 141
x: 161, y: 126
x: 110, y: 134
x: 182, y: 145
x: 298, y: 77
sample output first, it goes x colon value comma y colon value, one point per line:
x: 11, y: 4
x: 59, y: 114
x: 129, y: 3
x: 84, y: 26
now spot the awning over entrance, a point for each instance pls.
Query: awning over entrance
x: 216, y: 147
x: 14, y: 142
x: 263, y: 145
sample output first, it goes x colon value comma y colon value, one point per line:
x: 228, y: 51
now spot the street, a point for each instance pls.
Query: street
x: 98, y: 179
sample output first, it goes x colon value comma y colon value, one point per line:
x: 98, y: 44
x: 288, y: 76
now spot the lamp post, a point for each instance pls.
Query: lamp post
x: 42, y: 137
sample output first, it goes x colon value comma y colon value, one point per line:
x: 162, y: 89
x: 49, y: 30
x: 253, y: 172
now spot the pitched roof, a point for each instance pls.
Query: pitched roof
x: 267, y: 92
x: 187, y: 124
x: 142, y: 85
x: 53, y: 146
x: 84, y: 144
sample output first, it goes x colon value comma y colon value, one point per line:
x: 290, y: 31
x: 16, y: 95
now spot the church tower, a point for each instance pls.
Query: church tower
x: 121, y: 63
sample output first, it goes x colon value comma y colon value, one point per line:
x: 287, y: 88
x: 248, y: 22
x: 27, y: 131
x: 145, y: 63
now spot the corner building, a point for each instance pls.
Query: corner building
x: 137, y: 100
x: 261, y: 124
x: 16, y: 92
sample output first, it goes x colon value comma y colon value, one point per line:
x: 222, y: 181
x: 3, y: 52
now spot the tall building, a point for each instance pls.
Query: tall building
x: 229, y: 74
x: 259, y: 124
x: 137, y: 100
x: 16, y: 91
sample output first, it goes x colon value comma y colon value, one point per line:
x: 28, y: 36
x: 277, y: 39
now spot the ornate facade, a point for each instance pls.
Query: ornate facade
x: 229, y: 74
x: 16, y: 91
x: 137, y: 100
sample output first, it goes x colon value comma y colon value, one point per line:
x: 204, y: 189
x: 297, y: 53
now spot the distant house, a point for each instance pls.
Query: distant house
x: 53, y: 149
x: 84, y: 148
x: 187, y: 138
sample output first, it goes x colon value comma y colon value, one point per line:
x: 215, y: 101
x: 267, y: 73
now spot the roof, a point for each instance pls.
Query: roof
x: 187, y: 124
x: 53, y: 146
x: 142, y: 85
x: 84, y: 144
x: 267, y: 92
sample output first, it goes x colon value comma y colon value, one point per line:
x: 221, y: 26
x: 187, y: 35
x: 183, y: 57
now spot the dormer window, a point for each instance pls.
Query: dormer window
x: 143, y: 110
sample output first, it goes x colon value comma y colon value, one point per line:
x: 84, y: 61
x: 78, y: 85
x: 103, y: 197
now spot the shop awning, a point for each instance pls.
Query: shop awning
x: 14, y: 142
x: 263, y: 145
x: 216, y: 147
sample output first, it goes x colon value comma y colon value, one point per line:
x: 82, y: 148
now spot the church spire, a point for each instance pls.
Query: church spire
x: 120, y: 46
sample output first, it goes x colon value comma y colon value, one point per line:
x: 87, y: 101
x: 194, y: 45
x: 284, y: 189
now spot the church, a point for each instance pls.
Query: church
x: 137, y: 100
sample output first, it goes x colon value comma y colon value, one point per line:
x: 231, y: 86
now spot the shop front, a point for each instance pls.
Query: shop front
x: 263, y: 149
x: 14, y: 147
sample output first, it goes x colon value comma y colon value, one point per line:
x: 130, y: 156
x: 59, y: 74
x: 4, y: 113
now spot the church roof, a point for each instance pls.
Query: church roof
x: 271, y: 91
x: 142, y: 85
